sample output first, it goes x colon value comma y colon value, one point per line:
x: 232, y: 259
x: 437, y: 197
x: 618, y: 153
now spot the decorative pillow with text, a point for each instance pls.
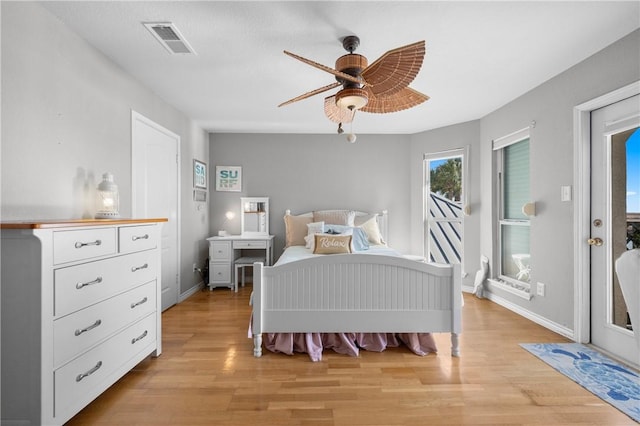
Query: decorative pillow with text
x: 332, y: 244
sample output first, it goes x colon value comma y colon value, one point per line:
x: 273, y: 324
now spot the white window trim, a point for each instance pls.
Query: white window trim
x: 511, y: 138
x: 513, y: 288
x: 519, y: 288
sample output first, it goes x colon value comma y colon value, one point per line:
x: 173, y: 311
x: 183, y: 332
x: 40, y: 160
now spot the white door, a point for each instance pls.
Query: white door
x: 615, y: 169
x: 155, y: 192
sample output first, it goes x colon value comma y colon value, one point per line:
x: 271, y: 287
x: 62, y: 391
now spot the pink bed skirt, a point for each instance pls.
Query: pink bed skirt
x: 346, y: 343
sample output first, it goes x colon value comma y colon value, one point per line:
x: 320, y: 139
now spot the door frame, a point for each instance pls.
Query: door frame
x: 582, y: 205
x: 136, y: 116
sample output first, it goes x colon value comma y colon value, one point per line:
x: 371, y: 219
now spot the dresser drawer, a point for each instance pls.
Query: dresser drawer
x: 219, y: 272
x: 81, y: 285
x: 79, y: 381
x: 81, y: 330
x: 250, y: 244
x: 72, y: 245
x: 220, y: 250
x: 137, y: 238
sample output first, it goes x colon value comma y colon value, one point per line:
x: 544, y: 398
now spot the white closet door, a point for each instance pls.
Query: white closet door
x: 155, y: 191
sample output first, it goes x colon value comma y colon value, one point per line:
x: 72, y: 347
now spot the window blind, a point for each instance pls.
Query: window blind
x: 516, y: 179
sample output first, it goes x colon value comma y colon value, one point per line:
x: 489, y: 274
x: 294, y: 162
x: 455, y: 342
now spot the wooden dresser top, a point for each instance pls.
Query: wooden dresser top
x: 61, y: 223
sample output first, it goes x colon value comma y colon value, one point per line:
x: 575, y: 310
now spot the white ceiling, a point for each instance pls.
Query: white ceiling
x: 480, y: 55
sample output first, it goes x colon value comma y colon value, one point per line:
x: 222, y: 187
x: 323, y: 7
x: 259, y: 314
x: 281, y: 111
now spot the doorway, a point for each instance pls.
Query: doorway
x: 615, y: 208
x: 444, y: 195
x: 155, y: 192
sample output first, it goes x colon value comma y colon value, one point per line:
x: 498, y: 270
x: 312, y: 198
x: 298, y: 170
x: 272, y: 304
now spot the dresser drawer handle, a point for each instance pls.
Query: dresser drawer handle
x: 140, y: 337
x: 96, y: 281
x: 91, y: 327
x: 95, y: 243
x: 90, y: 372
x: 136, y: 238
x: 133, y: 305
x: 137, y: 268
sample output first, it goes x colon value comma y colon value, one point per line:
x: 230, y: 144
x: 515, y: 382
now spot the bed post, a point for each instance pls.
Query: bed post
x: 456, y: 312
x: 256, y: 309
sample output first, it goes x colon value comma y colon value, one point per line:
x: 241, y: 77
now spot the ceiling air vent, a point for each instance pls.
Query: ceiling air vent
x: 169, y: 36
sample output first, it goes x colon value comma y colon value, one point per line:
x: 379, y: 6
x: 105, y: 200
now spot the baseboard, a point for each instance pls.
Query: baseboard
x: 193, y: 290
x: 544, y: 322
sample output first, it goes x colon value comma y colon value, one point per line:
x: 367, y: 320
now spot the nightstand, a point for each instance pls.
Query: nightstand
x: 225, y: 251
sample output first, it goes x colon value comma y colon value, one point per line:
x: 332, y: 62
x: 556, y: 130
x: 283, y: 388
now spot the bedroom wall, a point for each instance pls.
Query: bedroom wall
x: 436, y: 141
x: 313, y: 172
x: 551, y: 107
x: 66, y: 119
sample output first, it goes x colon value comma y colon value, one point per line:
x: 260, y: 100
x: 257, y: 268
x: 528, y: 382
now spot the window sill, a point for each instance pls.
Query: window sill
x: 511, y: 288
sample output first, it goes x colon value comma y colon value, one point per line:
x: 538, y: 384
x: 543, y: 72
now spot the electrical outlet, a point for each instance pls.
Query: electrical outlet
x: 195, y: 268
x: 540, y: 289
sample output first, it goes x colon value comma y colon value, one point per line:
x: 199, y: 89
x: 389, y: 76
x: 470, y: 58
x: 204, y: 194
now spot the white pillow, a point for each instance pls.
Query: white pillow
x: 371, y: 228
x: 312, y: 229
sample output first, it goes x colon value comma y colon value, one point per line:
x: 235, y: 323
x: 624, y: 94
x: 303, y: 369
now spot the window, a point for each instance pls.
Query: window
x: 444, y: 202
x: 513, y: 226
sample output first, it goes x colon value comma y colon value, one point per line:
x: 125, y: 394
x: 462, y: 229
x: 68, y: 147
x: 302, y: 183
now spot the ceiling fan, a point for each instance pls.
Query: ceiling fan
x: 381, y: 87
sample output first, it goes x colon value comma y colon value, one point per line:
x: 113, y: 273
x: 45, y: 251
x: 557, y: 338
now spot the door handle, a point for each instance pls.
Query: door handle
x: 595, y: 242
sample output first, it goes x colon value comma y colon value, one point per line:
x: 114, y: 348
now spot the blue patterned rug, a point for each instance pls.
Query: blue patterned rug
x: 601, y: 376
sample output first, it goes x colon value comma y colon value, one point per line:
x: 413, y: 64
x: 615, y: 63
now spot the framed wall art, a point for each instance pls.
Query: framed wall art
x: 199, y: 174
x: 229, y: 178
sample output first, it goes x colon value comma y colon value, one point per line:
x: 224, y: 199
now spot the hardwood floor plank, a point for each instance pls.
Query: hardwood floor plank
x: 207, y: 375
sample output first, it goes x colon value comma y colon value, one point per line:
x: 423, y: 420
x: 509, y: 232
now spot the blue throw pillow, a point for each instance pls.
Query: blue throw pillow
x: 359, y: 237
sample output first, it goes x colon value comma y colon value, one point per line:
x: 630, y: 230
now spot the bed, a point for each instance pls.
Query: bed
x: 369, y: 298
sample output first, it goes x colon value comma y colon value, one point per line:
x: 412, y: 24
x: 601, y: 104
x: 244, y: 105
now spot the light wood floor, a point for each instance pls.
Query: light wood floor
x: 207, y: 375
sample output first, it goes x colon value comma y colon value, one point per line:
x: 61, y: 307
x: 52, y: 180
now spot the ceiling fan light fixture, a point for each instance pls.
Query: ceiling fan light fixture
x: 352, y: 98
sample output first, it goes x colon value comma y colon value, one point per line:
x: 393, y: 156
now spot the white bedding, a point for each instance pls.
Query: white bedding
x: 294, y: 253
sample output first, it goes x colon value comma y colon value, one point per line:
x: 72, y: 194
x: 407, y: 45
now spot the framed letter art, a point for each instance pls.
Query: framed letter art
x: 229, y: 178
x: 199, y: 175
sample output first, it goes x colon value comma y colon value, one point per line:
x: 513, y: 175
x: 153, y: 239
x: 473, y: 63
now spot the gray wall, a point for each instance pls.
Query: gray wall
x: 551, y: 106
x: 66, y: 119
x: 313, y: 172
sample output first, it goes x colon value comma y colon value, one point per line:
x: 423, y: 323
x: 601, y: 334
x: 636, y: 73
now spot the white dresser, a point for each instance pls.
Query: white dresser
x: 80, y: 308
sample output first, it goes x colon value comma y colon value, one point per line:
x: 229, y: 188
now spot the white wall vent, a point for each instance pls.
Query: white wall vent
x: 169, y: 36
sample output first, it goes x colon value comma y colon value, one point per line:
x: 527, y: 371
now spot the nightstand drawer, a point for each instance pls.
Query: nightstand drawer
x: 220, y: 272
x: 83, y: 244
x: 220, y: 250
x: 250, y: 244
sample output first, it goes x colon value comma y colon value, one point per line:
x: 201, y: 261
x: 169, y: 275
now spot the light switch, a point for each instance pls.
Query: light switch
x: 565, y: 193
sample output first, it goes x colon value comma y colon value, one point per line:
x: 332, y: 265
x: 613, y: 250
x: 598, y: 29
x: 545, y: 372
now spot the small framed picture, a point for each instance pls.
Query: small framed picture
x: 229, y: 178
x: 199, y: 174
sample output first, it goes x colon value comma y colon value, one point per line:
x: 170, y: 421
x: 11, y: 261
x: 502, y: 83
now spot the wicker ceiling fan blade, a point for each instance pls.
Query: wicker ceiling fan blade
x: 335, y: 113
x: 404, y: 99
x: 325, y: 68
x: 395, y: 70
x: 311, y: 93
